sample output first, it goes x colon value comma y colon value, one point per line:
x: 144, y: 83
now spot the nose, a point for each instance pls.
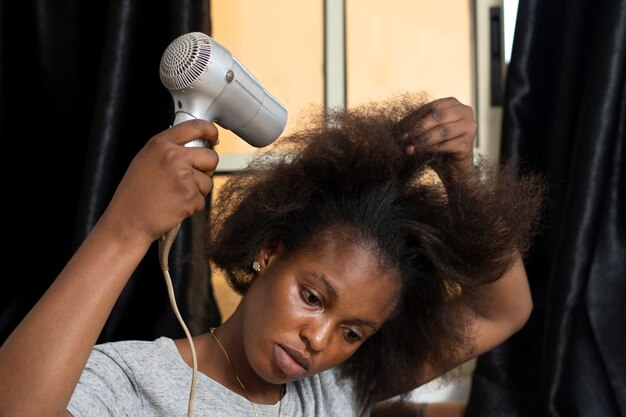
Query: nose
x: 317, y: 334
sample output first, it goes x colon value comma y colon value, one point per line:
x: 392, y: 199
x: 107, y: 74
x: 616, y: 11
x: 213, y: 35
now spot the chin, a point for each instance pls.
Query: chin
x: 262, y: 365
x: 272, y: 377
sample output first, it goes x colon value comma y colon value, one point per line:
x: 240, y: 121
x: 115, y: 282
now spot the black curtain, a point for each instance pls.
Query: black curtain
x: 80, y: 94
x: 565, y: 114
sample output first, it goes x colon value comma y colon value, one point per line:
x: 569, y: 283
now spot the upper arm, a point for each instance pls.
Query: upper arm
x: 503, y: 309
x: 106, y: 386
x: 506, y: 310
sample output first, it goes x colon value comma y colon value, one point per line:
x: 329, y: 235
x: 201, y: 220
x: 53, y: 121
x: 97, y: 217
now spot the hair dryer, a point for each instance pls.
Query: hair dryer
x: 207, y: 82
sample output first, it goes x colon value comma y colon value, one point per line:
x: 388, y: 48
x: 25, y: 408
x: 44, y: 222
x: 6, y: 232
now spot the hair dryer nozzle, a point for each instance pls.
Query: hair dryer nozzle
x: 207, y: 82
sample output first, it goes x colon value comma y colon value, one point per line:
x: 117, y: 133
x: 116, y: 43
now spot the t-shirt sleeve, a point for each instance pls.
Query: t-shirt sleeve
x: 326, y: 394
x: 106, y: 387
x: 340, y: 393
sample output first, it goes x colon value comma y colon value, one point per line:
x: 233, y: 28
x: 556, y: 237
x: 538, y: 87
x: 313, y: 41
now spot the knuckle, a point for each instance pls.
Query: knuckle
x: 205, y: 186
x: 157, y: 141
x: 198, y: 124
x: 190, y: 197
x: 188, y: 211
x: 199, y: 203
x: 473, y: 129
x: 172, y: 155
x: 185, y: 177
x: 437, y: 115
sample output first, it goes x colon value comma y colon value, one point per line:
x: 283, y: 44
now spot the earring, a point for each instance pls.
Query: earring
x: 256, y: 266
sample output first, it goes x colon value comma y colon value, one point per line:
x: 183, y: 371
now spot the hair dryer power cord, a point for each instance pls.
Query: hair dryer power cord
x: 165, y: 244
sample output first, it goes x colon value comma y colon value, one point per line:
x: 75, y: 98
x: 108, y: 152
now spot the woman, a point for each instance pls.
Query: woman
x: 372, y: 254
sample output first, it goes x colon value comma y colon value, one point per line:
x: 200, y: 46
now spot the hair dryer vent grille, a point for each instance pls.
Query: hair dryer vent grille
x: 184, y: 60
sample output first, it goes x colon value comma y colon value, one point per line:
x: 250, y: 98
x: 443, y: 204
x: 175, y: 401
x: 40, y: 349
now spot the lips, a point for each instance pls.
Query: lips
x: 292, y: 362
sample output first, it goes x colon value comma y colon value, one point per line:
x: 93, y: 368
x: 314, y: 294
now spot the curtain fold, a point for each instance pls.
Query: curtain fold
x: 565, y: 114
x: 80, y: 94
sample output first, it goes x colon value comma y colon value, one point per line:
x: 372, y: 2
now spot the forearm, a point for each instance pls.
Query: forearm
x: 44, y: 357
x: 508, y: 299
x: 499, y: 309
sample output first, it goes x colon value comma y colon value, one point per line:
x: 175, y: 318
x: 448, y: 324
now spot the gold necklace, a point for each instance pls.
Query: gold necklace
x: 282, y: 390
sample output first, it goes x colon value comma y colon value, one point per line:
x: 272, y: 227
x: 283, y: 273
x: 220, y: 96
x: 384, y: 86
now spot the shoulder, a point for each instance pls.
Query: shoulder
x: 138, y: 348
x: 329, y: 391
x: 131, y: 378
x: 137, y: 358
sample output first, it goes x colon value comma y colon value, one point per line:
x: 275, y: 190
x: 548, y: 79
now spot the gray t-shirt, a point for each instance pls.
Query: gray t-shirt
x: 150, y: 378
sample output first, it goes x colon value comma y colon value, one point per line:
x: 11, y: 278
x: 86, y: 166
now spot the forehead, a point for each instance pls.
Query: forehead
x: 363, y: 285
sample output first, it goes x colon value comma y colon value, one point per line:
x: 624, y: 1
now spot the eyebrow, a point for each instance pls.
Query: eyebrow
x: 335, y: 297
x: 328, y: 285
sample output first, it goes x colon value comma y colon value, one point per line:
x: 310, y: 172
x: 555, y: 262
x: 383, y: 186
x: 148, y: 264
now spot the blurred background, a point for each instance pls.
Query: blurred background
x: 80, y: 94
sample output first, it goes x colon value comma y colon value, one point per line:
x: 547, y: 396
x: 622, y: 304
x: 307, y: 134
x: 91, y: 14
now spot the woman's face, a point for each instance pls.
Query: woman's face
x: 310, y: 311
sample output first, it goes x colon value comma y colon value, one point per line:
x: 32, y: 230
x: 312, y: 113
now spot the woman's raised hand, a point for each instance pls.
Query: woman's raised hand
x: 448, y: 126
x: 165, y: 183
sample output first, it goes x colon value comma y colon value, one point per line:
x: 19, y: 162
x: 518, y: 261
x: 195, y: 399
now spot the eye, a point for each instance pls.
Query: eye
x: 310, y: 298
x: 352, y: 336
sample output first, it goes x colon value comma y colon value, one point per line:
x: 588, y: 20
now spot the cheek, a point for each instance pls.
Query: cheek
x: 281, y: 301
x: 274, y: 313
x: 272, y: 308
